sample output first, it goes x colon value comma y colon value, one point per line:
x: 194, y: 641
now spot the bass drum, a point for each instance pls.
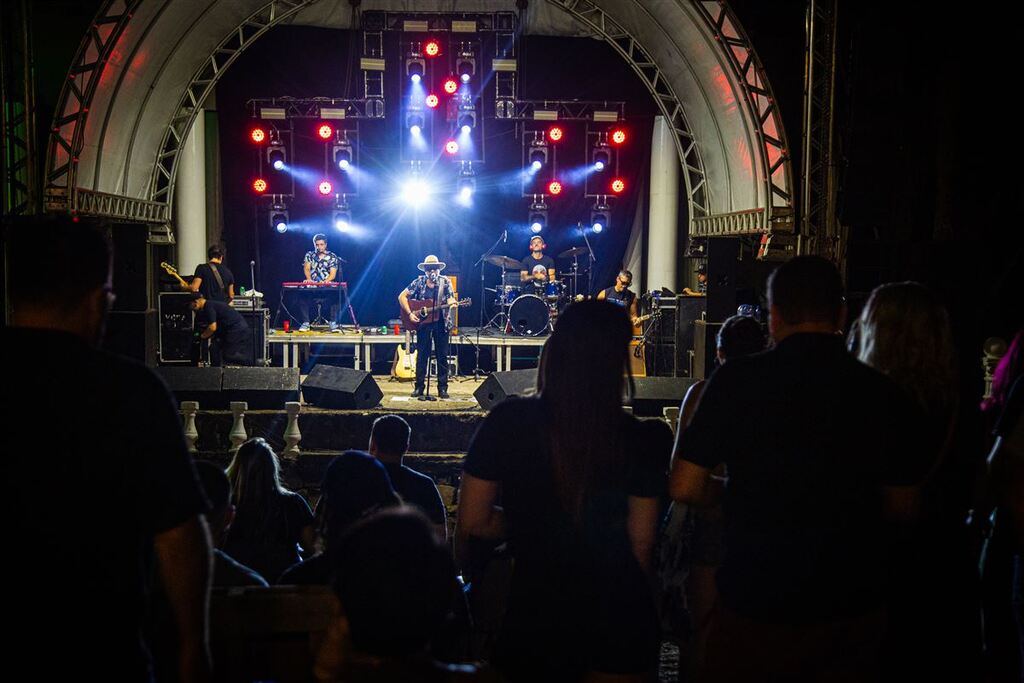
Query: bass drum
x: 528, y: 316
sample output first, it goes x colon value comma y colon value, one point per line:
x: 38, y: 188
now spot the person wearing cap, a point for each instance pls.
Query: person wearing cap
x: 436, y: 288
x: 537, y: 266
x: 702, y: 283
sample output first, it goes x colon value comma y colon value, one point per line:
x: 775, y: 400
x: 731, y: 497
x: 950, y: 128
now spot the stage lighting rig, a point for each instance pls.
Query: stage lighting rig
x: 259, y: 185
x: 277, y: 156
x: 258, y: 135
x: 555, y: 134
x: 617, y: 136
x: 467, y: 121
x: 555, y: 188
x: 414, y: 123
x: 325, y: 188
x: 415, y: 67
x: 279, y: 215
x: 432, y: 101
x: 451, y: 86
x: 451, y: 148
x: 325, y: 132
x: 432, y: 48
x: 600, y: 216
x: 600, y: 157
x: 342, y: 217
x: 341, y: 153
x: 618, y: 186
x: 465, y: 67
x: 538, y: 217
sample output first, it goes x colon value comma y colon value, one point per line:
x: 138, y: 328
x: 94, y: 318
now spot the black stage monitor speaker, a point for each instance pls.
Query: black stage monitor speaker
x: 654, y: 393
x: 328, y: 386
x: 262, y: 388
x: 501, y: 385
x: 196, y: 384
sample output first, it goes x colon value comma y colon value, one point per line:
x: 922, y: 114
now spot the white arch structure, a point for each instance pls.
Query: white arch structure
x: 145, y: 68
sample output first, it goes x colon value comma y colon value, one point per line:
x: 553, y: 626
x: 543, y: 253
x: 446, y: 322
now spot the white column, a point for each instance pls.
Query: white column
x: 663, y: 230
x: 190, y: 199
x: 633, y: 258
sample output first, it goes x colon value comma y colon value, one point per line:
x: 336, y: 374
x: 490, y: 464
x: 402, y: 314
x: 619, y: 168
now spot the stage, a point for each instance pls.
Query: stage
x: 295, y: 346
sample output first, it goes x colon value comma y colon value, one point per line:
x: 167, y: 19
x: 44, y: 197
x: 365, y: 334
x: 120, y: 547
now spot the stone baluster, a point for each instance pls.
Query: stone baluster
x: 189, y: 410
x: 292, y: 435
x: 238, y: 435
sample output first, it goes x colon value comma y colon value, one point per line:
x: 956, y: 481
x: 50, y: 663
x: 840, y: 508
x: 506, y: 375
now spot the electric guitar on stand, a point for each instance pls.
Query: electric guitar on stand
x: 404, y: 366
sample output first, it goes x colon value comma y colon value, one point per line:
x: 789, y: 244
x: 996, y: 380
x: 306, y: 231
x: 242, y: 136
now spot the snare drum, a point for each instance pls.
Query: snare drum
x: 528, y: 316
x: 553, y: 290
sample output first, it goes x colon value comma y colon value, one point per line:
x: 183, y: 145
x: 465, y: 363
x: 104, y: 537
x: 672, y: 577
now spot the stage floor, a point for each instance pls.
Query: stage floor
x: 396, y: 396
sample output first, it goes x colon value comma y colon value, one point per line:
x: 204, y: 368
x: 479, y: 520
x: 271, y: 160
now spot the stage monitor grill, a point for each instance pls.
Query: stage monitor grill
x: 655, y: 393
x: 328, y: 386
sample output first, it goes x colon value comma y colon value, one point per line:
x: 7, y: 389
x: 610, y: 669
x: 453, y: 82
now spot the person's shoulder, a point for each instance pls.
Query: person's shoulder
x: 517, y: 407
x: 416, y: 476
x: 229, y: 572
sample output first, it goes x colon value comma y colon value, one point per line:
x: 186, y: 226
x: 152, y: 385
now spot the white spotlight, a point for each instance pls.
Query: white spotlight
x: 343, y: 164
x: 536, y: 227
x: 278, y: 164
x: 599, y: 165
x: 415, y: 192
x: 466, y: 130
x: 415, y: 130
x: 282, y: 227
x: 416, y: 78
x: 597, y: 227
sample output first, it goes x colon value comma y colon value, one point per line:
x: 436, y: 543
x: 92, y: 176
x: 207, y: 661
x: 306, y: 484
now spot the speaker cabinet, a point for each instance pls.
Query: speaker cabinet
x: 176, y: 327
x: 196, y: 384
x: 689, y: 309
x: 328, y: 386
x: 723, y: 277
x: 262, y: 388
x: 500, y: 385
x: 655, y: 393
x: 133, y: 334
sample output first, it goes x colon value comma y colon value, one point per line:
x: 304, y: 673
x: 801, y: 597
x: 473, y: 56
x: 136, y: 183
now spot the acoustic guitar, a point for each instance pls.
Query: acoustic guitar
x: 425, y: 312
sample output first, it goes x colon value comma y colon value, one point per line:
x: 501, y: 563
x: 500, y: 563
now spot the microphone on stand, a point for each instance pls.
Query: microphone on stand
x: 252, y: 274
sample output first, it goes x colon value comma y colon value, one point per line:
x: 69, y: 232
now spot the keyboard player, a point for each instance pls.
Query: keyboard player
x: 320, y: 266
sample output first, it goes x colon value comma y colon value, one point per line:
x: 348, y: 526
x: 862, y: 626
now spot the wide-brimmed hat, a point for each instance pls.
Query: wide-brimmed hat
x: 431, y: 260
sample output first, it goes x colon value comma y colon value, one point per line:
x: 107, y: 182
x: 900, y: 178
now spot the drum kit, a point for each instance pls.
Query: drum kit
x: 530, y: 308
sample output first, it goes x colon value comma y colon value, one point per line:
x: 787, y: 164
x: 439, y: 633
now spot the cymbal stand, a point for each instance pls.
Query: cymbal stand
x: 591, y: 258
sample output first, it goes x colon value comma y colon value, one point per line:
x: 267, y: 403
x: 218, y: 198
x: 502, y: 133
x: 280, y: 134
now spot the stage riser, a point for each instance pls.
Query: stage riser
x: 337, y: 430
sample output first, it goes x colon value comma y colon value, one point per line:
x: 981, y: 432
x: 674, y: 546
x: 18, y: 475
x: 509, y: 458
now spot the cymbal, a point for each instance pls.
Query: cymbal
x: 504, y: 262
x: 575, y: 251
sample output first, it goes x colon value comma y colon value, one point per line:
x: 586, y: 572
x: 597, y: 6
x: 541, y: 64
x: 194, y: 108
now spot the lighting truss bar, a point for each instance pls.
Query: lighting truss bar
x: 371, y: 64
x: 504, y: 65
x: 568, y: 110
x: 116, y: 207
x: 318, y: 108
x: 430, y: 22
x: 606, y: 116
x: 749, y: 222
x: 274, y: 113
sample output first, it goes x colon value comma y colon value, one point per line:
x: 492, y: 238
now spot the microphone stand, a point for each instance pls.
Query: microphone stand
x: 591, y: 258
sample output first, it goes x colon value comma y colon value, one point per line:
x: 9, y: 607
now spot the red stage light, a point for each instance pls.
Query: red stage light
x: 451, y: 147
x: 555, y: 187
x: 618, y: 136
x: 555, y: 133
x: 260, y: 185
x: 618, y: 185
x: 432, y: 48
x: 258, y: 135
x: 325, y: 131
x: 431, y: 100
x: 451, y: 86
x: 325, y: 187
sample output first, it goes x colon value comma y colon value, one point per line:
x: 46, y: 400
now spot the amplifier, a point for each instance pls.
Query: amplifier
x: 247, y: 303
x: 258, y: 321
x: 175, y: 322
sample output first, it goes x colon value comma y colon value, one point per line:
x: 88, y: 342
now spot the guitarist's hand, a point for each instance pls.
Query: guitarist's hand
x: 635, y: 320
x: 421, y: 314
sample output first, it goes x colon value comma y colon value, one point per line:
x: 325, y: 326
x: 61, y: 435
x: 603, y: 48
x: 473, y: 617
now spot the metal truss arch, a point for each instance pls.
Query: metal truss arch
x: 202, y: 83
x: 598, y: 20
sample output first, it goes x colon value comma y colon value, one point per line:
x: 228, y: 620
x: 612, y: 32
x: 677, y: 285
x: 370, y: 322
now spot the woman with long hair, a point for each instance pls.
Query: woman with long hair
x: 579, y: 481
x: 904, y: 332
x: 270, y: 521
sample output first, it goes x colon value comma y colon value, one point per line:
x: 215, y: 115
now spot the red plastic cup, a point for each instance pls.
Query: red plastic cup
x: 287, y: 326
x: 397, y: 331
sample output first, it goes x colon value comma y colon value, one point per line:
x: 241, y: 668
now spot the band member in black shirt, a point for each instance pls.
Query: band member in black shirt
x: 227, y: 330
x: 214, y: 280
x: 621, y: 295
x: 537, y: 266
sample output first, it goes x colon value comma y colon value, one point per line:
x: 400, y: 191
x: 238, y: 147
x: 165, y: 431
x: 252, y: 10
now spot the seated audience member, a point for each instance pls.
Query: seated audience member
x: 579, y: 494
x: 821, y: 463
x: 389, y: 440
x: 100, y: 494
x: 693, y: 538
x: 270, y: 522
x: 904, y: 333
x: 394, y: 578
x: 354, y: 485
x: 226, y: 571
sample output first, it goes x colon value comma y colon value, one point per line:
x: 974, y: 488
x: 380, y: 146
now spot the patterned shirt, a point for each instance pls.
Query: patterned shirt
x: 418, y: 289
x: 320, y: 268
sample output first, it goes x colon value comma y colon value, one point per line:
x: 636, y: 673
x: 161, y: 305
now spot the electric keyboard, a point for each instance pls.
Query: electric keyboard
x: 312, y: 285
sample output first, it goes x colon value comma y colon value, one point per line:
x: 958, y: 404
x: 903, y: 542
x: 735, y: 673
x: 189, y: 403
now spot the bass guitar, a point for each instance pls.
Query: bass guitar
x: 172, y: 271
x: 425, y: 312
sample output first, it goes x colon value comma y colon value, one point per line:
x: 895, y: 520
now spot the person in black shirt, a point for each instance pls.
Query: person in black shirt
x: 536, y: 266
x: 389, y: 440
x: 579, y: 491
x: 621, y: 295
x: 227, y: 571
x: 821, y: 464
x: 213, y: 280
x: 229, y: 328
x: 100, y: 494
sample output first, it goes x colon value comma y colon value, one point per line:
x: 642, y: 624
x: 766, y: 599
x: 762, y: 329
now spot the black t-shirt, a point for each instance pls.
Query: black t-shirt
x: 419, y: 490
x: 624, y: 298
x: 209, y: 287
x: 228, y: 573
x: 231, y: 326
x: 95, y: 466
x: 268, y: 540
x: 530, y: 264
x: 809, y: 436
x: 579, y: 599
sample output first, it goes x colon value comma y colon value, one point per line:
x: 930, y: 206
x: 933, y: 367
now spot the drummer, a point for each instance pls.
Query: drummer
x: 537, y: 267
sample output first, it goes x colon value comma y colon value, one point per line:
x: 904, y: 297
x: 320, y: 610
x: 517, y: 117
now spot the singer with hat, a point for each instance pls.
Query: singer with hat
x: 437, y: 289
